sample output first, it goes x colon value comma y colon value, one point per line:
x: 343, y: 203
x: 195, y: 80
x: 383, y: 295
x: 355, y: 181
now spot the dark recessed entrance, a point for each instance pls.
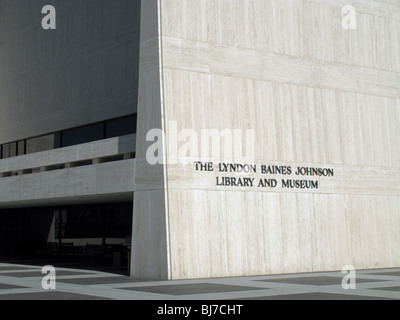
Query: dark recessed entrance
x: 96, y: 237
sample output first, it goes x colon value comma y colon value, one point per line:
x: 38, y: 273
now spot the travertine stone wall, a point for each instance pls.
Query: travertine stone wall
x: 83, y: 72
x: 150, y: 252
x: 316, y: 95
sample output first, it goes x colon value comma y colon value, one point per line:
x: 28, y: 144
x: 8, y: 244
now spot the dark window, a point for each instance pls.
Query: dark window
x: 21, y: 147
x: 94, y: 132
x: 13, y: 149
x: 39, y: 144
x: 121, y: 127
x: 57, y: 140
x: 83, y: 223
x: 6, y: 151
x: 118, y: 221
x: 111, y: 221
x: 60, y: 219
x: 83, y: 135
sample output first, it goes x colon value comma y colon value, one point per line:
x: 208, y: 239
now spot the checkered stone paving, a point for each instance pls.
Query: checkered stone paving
x: 22, y: 282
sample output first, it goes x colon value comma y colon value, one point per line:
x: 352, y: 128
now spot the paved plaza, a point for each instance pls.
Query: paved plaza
x: 24, y: 282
